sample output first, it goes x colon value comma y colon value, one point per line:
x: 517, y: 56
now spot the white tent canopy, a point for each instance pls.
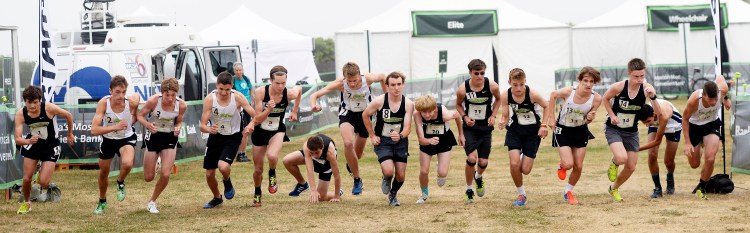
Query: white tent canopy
x: 533, y: 43
x: 274, y: 46
x: 617, y: 36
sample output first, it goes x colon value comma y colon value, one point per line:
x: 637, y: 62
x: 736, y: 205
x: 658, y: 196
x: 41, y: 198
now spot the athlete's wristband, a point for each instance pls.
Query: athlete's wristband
x: 652, y: 98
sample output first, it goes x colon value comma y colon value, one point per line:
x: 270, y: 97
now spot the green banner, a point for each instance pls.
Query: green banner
x: 668, y: 18
x: 454, y: 23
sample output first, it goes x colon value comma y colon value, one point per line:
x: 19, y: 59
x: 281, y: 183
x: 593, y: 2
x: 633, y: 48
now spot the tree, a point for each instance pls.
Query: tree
x: 324, y: 50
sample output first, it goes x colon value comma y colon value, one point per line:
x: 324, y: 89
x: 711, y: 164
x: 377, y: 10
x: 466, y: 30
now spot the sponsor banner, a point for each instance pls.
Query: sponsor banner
x: 454, y: 23
x: 11, y: 163
x: 47, y: 54
x: 668, y: 18
x: 740, y: 131
x: 192, y: 141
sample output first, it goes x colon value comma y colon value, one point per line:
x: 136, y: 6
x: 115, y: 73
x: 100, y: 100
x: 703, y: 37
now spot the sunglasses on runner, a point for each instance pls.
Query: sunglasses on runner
x: 478, y: 73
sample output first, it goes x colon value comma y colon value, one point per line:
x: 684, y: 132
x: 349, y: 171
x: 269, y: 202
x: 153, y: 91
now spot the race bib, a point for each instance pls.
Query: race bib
x: 358, y: 104
x: 164, y: 125
x: 271, y: 123
x: 388, y: 128
x: 225, y: 126
x: 573, y: 120
x: 526, y: 118
x: 39, y: 130
x: 436, y: 129
x: 116, y: 134
x: 626, y: 120
x: 478, y: 111
x: 707, y: 115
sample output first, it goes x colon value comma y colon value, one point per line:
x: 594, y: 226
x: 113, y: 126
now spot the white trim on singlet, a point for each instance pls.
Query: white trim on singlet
x: 577, y: 112
x: 362, y: 92
x: 165, y: 116
x: 230, y: 109
x: 705, y: 115
x: 112, y: 118
x: 672, y: 125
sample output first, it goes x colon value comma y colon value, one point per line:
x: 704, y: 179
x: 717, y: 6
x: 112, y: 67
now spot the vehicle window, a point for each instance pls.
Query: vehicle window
x: 222, y: 60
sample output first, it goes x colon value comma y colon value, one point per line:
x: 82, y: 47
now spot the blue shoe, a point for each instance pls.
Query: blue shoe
x: 357, y: 188
x: 521, y: 201
x: 229, y: 194
x: 213, y: 203
x: 299, y: 188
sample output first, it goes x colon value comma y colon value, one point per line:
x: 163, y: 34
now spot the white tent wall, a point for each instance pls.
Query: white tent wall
x: 275, y: 46
x: 389, y: 51
x: 351, y: 47
x: 615, y: 37
x: 539, y: 52
x: 608, y: 46
x: 737, y: 35
x: 536, y: 44
x: 460, y: 50
x: 667, y: 47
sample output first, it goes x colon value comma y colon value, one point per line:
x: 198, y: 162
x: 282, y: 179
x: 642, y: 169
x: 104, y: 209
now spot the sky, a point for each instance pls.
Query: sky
x: 320, y: 18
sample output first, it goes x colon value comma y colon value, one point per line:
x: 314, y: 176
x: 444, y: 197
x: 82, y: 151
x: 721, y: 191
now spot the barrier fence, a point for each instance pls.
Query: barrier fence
x: 192, y: 141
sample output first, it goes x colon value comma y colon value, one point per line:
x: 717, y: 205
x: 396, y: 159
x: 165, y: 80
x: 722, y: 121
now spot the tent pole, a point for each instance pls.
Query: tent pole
x: 369, y: 64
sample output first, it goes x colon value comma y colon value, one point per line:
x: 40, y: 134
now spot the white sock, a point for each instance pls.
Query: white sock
x: 521, y: 191
x: 469, y: 187
x: 568, y: 187
x: 477, y: 175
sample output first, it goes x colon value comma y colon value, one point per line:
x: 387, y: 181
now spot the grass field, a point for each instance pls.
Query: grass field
x: 445, y: 211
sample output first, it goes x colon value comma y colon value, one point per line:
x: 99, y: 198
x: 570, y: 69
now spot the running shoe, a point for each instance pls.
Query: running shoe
x: 392, y: 200
x: 469, y: 196
x: 120, y: 192
x: 213, y: 203
x: 358, y: 186
x: 657, y: 193
x: 615, y: 194
x: 701, y: 193
x: 422, y: 198
x: 256, y: 201
x: 520, y: 201
x: 151, y: 207
x: 561, y: 172
x: 25, y: 208
x: 299, y: 188
x: 100, y: 207
x: 272, y: 185
x: 612, y: 171
x: 570, y: 198
x: 385, y: 186
x: 480, y: 186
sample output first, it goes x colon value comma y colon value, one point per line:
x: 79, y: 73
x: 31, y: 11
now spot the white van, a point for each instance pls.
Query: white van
x: 144, y: 51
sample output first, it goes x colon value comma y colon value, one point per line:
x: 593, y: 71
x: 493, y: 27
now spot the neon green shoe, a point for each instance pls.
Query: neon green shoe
x: 100, y: 207
x: 615, y: 194
x: 612, y: 171
x: 25, y: 208
x: 120, y: 192
x: 700, y: 193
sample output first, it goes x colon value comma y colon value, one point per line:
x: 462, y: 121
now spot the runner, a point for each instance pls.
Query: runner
x: 525, y: 130
x: 41, y: 144
x: 355, y: 95
x: 668, y: 125
x: 476, y: 96
x: 393, y: 125
x: 318, y: 154
x: 165, y: 114
x: 222, y: 108
x: 432, y: 121
x: 114, y: 120
x: 703, y: 127
x: 267, y: 140
x: 570, y: 132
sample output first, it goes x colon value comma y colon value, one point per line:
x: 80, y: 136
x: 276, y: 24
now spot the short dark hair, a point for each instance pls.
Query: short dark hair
x: 477, y: 64
x: 32, y: 93
x: 395, y: 75
x: 224, y: 78
x: 315, y: 142
x: 645, y: 112
x: 636, y: 64
x: 118, y: 80
x: 277, y: 70
x: 710, y: 89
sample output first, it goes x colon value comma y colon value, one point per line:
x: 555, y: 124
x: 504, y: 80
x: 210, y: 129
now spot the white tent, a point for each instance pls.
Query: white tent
x: 533, y: 43
x: 615, y: 37
x: 273, y: 46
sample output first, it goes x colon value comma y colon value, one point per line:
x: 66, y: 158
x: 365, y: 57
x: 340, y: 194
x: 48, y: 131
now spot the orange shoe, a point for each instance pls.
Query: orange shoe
x: 272, y: 185
x: 561, y: 172
x: 568, y: 196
